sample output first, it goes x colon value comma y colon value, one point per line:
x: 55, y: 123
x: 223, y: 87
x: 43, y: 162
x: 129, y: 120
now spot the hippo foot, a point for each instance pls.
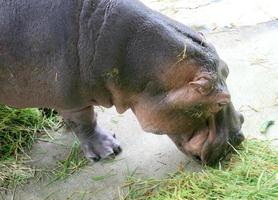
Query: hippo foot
x: 101, y: 145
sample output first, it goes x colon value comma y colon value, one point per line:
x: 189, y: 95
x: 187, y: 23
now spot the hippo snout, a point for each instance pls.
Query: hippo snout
x: 241, y: 118
x: 237, y: 137
x: 229, y: 136
x: 240, y: 137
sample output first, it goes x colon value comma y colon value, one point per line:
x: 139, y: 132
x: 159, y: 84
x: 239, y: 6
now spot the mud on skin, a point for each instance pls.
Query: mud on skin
x: 60, y: 54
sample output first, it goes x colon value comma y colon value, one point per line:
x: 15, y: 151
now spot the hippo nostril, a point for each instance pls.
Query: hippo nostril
x: 197, y: 158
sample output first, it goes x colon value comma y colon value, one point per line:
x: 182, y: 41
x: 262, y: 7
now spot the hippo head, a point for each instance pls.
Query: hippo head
x: 189, y: 101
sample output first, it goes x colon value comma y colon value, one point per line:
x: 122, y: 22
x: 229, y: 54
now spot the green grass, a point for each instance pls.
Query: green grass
x: 18, y: 131
x: 19, y: 128
x: 74, y: 162
x: 252, y: 173
x: 14, y: 173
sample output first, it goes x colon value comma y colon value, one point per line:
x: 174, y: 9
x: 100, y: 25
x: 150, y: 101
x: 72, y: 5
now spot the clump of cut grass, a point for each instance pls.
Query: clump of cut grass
x: 18, y: 131
x: 13, y: 173
x: 252, y: 173
x: 19, y: 128
x: 74, y: 161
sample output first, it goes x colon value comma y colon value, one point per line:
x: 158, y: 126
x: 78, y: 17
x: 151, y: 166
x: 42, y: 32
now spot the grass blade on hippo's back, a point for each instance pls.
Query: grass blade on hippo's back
x: 251, y: 175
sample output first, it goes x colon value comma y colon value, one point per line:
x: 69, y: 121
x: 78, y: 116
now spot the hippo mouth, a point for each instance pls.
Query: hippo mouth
x: 201, y: 140
x: 211, y: 142
x: 209, y: 145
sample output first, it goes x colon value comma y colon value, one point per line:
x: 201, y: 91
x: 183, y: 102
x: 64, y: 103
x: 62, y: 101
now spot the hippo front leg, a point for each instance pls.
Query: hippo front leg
x: 96, y: 143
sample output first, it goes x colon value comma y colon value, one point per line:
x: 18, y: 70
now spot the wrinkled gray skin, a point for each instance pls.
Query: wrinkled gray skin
x: 71, y: 55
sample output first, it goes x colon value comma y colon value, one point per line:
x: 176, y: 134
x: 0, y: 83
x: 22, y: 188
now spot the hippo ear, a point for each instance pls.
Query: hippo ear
x: 201, y: 85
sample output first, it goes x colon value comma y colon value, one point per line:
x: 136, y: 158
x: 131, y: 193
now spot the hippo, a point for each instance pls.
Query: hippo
x: 73, y: 55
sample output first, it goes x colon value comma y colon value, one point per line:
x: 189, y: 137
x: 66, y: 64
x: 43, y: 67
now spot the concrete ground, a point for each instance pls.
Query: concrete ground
x: 245, y: 36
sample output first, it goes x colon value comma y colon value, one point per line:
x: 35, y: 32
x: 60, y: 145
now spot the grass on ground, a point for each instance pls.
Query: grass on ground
x: 252, y: 173
x: 19, y: 129
x: 74, y: 161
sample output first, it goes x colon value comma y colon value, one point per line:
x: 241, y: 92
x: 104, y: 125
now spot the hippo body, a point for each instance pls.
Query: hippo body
x: 71, y: 55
